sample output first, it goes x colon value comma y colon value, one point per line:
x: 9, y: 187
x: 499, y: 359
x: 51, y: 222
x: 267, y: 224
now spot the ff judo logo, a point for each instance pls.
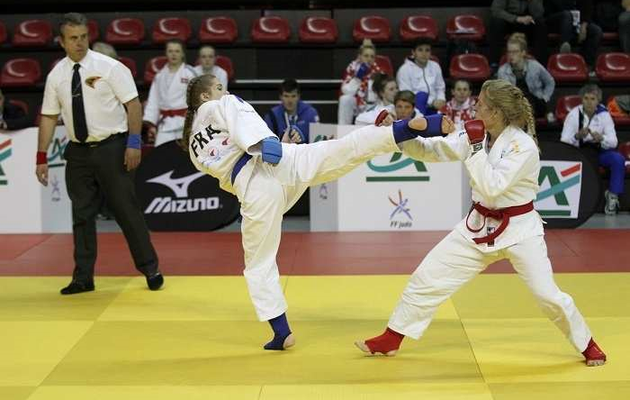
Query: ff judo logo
x: 182, y: 203
x: 55, y: 159
x: 397, y: 169
x: 559, y: 192
x: 400, y: 217
x: 5, y: 153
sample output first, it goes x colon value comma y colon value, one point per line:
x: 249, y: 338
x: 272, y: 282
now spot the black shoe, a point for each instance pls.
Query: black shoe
x: 78, y: 287
x: 155, y: 281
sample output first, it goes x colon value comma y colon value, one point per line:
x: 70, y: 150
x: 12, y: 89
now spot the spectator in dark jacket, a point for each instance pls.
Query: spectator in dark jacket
x: 290, y: 120
x: 562, y: 17
x: 525, y: 16
x: 12, y: 117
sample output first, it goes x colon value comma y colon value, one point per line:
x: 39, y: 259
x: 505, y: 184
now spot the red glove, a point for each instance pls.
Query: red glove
x: 476, y: 132
x: 381, y: 117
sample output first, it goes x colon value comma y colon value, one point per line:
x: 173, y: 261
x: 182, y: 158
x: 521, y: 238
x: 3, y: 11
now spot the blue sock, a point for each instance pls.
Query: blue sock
x: 281, y: 330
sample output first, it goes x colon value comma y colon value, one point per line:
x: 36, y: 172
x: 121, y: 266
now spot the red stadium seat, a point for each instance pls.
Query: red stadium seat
x: 152, y: 67
x: 125, y: 31
x: 318, y: 30
x: 20, y: 72
x: 131, y: 64
x: 385, y: 64
x: 372, y: 27
x: 568, y: 67
x: 566, y: 104
x: 469, y: 27
x: 218, y: 30
x: 613, y: 67
x: 34, y: 32
x: 3, y: 32
x: 93, y: 31
x: 610, y: 36
x: 472, y: 67
x: 226, y: 63
x: 22, y: 104
x: 169, y: 28
x: 271, y: 29
x: 418, y: 26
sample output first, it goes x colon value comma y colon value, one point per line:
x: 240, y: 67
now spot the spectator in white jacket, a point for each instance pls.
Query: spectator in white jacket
x: 166, y: 106
x: 421, y: 74
x: 207, y: 65
x: 589, y: 126
x: 356, y: 89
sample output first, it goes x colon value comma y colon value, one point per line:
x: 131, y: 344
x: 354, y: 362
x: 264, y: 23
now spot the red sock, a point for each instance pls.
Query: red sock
x: 388, y: 341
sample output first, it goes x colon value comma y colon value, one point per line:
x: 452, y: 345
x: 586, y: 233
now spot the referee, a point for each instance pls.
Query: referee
x: 98, y: 99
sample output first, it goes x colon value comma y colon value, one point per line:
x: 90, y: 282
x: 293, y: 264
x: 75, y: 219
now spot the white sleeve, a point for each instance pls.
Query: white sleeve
x: 440, y: 86
x: 403, y: 79
x: 453, y: 147
x: 351, y: 86
x: 492, y: 181
x: 50, y: 104
x: 122, y: 83
x: 610, y: 135
x: 570, y: 128
x: 152, y: 109
x: 246, y: 127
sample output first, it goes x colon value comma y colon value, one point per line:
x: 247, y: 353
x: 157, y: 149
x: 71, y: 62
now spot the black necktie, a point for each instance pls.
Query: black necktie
x: 78, y: 111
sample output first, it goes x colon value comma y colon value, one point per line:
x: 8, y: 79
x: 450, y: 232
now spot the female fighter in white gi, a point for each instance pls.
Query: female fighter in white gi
x: 227, y: 139
x: 502, y: 223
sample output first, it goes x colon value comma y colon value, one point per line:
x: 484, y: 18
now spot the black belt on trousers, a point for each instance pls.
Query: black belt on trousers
x: 110, y: 138
x: 239, y: 165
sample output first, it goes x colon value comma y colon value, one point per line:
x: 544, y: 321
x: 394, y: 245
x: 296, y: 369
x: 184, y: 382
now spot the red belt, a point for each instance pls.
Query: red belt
x: 502, y: 214
x: 173, y: 113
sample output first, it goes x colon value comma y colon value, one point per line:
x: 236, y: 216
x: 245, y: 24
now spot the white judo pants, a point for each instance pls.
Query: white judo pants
x: 272, y: 191
x: 455, y: 261
x: 169, y: 129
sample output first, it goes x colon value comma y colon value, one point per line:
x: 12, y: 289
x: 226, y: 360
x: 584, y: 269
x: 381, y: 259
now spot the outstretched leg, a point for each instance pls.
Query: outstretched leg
x: 530, y: 260
x: 452, y: 263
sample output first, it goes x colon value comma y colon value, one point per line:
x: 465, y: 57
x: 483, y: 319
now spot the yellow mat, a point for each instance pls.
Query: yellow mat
x: 198, y: 338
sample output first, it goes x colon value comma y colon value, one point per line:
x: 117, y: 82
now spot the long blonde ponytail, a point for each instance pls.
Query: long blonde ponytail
x: 196, y: 86
x: 513, y: 105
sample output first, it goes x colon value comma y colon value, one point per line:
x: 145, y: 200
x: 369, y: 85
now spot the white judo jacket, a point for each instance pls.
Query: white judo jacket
x: 506, y: 176
x: 223, y: 130
x: 168, y: 94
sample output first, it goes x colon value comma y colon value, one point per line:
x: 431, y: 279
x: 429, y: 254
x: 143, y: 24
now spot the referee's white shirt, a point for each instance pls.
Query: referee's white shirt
x: 106, y: 84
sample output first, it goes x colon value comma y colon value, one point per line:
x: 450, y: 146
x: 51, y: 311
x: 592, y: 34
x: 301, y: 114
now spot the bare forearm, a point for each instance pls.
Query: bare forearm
x: 134, y: 116
x: 47, y: 126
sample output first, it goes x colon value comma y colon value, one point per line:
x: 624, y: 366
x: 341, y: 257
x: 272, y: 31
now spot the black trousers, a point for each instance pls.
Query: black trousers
x: 536, y: 38
x: 562, y: 23
x: 91, y: 171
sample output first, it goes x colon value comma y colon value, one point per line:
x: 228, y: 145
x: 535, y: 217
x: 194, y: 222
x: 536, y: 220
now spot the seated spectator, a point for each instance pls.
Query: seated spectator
x: 590, y: 127
x: 525, y: 16
x: 461, y: 107
x: 166, y: 106
x: 207, y: 60
x: 573, y: 20
x: 291, y: 118
x: 12, y: 117
x: 528, y: 75
x: 105, y: 48
x: 421, y: 74
x: 385, y: 88
x: 405, y: 105
x: 356, y: 89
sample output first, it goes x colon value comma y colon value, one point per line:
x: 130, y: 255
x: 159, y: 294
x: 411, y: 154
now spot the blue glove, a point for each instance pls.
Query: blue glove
x: 362, y: 71
x: 299, y: 131
x: 271, y: 150
x: 422, y: 99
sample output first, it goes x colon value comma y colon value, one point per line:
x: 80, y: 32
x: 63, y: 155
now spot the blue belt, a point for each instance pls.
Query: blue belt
x: 239, y: 165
